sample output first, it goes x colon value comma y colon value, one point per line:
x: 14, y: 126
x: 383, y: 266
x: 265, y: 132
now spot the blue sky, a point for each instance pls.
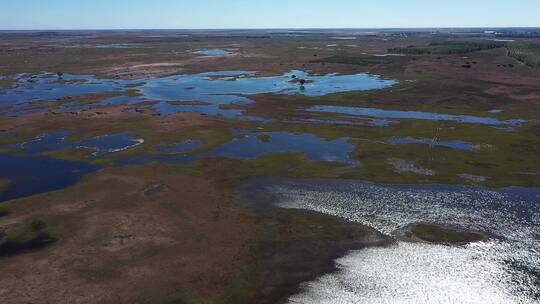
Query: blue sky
x: 178, y: 14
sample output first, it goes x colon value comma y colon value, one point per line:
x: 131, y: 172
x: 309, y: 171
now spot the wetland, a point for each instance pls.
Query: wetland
x: 268, y: 167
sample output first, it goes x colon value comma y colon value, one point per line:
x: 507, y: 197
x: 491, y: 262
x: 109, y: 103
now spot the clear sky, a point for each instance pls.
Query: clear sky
x: 180, y: 14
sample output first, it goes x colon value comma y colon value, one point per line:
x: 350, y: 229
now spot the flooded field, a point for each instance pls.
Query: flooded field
x: 101, y: 145
x: 503, y: 269
x: 213, y: 88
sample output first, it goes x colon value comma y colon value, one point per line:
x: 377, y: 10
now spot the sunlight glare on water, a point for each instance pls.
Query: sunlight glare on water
x: 505, y: 269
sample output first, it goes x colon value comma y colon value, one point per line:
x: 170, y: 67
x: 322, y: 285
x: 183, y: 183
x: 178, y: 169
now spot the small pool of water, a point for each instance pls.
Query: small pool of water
x: 453, y: 144
x: 505, y: 269
x: 102, y: 145
x: 252, y: 145
x: 381, y: 113
x: 214, y: 52
x: 33, y: 175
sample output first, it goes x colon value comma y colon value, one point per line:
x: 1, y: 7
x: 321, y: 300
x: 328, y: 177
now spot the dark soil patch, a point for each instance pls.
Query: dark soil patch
x: 155, y: 189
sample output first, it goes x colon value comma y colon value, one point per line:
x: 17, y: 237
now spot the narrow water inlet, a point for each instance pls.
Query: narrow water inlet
x: 396, y: 114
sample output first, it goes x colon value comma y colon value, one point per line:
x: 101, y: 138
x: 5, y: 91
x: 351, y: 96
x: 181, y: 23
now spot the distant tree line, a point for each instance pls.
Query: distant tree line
x: 446, y: 48
x: 528, y: 53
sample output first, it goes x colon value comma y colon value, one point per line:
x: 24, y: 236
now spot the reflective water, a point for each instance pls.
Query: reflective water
x: 48, y: 86
x: 505, y: 269
x: 381, y: 113
x: 220, y: 88
x: 217, y: 88
x: 454, y: 144
x: 253, y: 145
x: 102, y: 145
x: 33, y: 175
x: 370, y: 122
x: 214, y: 52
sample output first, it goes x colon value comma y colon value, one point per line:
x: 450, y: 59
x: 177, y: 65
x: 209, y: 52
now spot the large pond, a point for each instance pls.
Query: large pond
x: 255, y: 144
x: 27, y: 175
x: 215, y: 89
x: 505, y: 269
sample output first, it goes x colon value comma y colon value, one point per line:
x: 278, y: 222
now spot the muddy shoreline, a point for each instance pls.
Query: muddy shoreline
x: 285, y: 266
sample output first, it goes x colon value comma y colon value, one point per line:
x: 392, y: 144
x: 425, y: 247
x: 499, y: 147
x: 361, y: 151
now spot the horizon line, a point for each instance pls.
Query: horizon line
x: 271, y: 28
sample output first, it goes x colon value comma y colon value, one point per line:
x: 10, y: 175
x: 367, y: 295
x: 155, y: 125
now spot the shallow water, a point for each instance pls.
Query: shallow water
x: 214, y: 52
x: 369, y: 122
x: 252, y: 145
x: 47, y: 86
x: 505, y: 269
x: 217, y: 88
x: 381, y: 113
x: 102, y: 145
x: 453, y: 144
x: 221, y: 88
x: 33, y: 175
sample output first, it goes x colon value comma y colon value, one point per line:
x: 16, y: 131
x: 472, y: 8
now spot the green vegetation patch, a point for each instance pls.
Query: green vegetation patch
x: 443, y: 235
x: 32, y: 236
x: 446, y: 48
x: 385, y: 65
x: 363, y: 60
x: 528, y: 53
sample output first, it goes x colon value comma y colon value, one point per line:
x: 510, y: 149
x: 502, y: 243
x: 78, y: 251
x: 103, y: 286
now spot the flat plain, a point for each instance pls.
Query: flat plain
x: 128, y: 157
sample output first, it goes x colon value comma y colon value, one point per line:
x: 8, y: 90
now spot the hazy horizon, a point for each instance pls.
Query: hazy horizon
x: 278, y: 14
x: 278, y: 28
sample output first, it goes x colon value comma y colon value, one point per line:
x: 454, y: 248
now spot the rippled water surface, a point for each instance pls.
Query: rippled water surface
x: 505, y: 269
